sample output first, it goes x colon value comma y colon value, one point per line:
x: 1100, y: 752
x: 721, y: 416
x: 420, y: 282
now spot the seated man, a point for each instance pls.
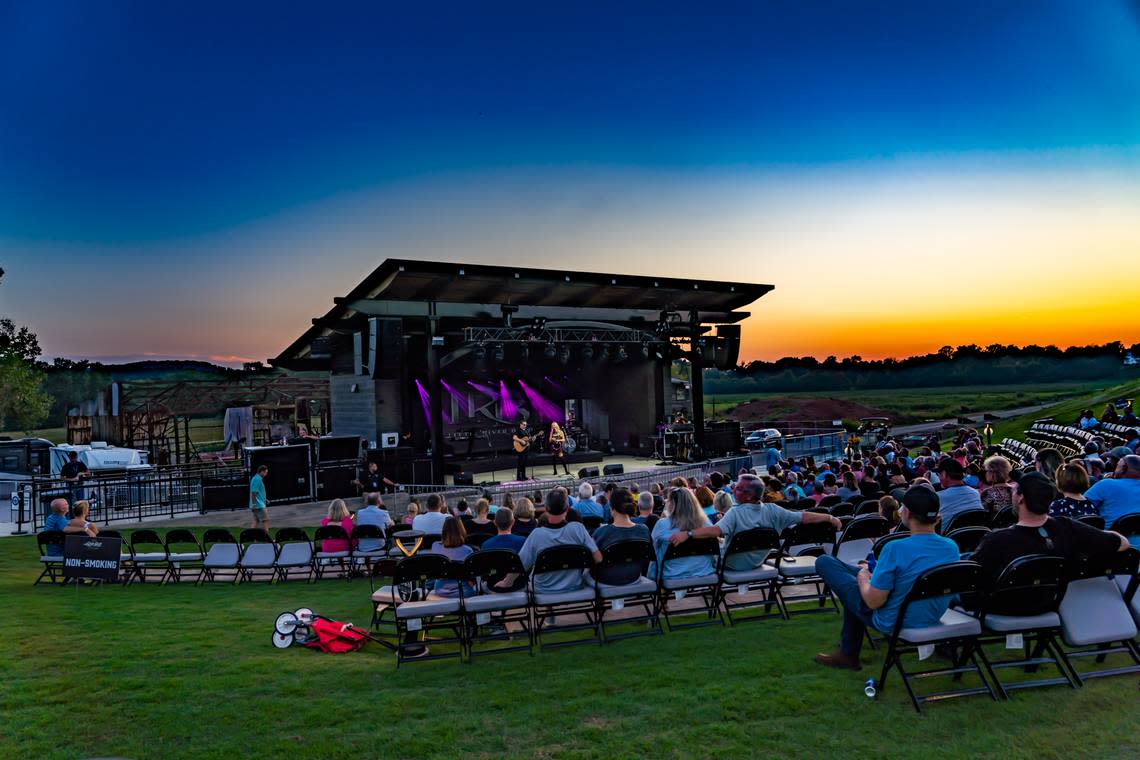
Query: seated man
x: 955, y: 497
x: 645, y: 514
x: 874, y: 598
x: 1120, y: 494
x: 373, y: 514
x: 1038, y: 533
x: 748, y: 513
x: 585, y: 503
x: 431, y: 520
x: 57, y: 520
x: 557, y: 531
x: 623, y: 528
x: 505, y: 538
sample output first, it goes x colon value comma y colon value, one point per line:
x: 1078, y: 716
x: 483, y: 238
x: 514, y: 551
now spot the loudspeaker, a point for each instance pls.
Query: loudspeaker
x: 421, y: 471
x: 383, y: 345
x: 722, y: 437
x: 289, y: 471
x: 728, y: 348
x: 396, y: 464
x: 588, y: 472
x: 225, y: 493
x: 335, y: 482
x: 464, y: 479
x: 338, y: 448
x: 613, y: 469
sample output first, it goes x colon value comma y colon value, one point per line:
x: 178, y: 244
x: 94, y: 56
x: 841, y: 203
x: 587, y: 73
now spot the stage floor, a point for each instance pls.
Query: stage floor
x: 505, y: 475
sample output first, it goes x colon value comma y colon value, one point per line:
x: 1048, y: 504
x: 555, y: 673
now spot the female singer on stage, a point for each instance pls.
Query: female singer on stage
x: 557, y: 440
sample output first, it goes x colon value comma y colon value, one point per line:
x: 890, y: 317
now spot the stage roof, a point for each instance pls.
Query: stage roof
x: 401, y: 287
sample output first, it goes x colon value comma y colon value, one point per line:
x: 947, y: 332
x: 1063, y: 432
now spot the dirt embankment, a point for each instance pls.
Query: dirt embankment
x: 804, y: 409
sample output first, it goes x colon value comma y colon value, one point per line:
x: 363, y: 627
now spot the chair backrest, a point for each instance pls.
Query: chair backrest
x: 969, y: 518
x: 962, y: 577
x: 1115, y: 563
x: 1030, y: 585
x: 842, y: 509
x: 493, y: 565
x: 368, y: 531
x: 326, y: 533
x: 108, y: 533
x: 968, y: 538
x: 567, y: 557
x: 867, y: 507
x: 752, y: 540
x: 144, y: 536
x: 421, y: 568
x: 1127, y: 525
x: 830, y: 501
x: 592, y: 522
x: 46, y: 538
x: 181, y: 536
x: 430, y: 539
x: 625, y: 554
x: 476, y: 540
x: 1003, y: 518
x: 291, y: 535
x: 877, y: 549
x: 1095, y: 521
x: 218, y: 536
x: 867, y: 526
x: 808, y: 534
x: 400, y: 528
x: 255, y: 536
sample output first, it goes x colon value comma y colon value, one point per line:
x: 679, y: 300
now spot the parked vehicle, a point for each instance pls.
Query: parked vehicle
x: 763, y: 438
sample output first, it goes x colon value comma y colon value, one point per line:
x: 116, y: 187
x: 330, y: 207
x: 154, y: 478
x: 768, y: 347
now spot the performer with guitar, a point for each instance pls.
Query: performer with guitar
x: 522, y: 449
x: 557, y: 438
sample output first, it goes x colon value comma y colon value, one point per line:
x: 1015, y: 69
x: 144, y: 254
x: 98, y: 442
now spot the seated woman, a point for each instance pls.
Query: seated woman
x: 79, y: 522
x: 410, y: 515
x: 722, y: 502
x: 682, y: 513
x: 1072, y: 482
x: 524, y: 518
x: 453, y: 545
x: 850, y: 487
x: 480, y: 523
x: 623, y: 528
x: 997, y: 493
x: 337, y: 515
x: 706, y: 498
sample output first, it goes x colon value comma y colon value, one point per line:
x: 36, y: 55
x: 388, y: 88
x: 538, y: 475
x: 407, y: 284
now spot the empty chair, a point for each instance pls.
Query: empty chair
x: 750, y: 587
x: 795, y: 563
x: 222, y: 554
x: 579, y: 601
x: 858, y: 538
x: 294, y: 553
x: 968, y: 539
x: 50, y: 544
x: 1096, y: 618
x: 321, y: 558
x: 966, y: 519
x: 183, y: 552
x: 404, y: 542
x: 258, y: 556
x: 1023, y: 602
x: 956, y: 629
x: 1126, y: 525
x: 148, y: 552
x: 842, y: 509
x: 630, y: 557
x: 830, y: 501
x: 490, y: 614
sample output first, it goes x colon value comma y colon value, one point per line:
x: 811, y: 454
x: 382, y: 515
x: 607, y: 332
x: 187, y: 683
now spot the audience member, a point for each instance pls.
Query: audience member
x: 998, y: 492
x: 453, y: 545
x: 955, y: 496
x: 1119, y: 495
x: 79, y: 522
x: 645, y: 514
x: 1072, y: 481
x: 524, y: 518
x: 623, y: 528
x: 706, y: 498
x: 1047, y: 461
x: 57, y: 520
x: 682, y: 514
x: 505, y: 538
x: 411, y: 513
x: 557, y: 532
x: 337, y: 515
x: 430, y: 522
x: 874, y: 598
x: 373, y: 514
x: 480, y: 524
x: 585, y: 505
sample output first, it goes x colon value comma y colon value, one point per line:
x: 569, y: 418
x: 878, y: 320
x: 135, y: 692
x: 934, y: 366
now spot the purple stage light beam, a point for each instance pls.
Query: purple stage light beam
x: 425, y: 401
x: 460, y: 399
x: 545, y: 408
x: 507, y: 407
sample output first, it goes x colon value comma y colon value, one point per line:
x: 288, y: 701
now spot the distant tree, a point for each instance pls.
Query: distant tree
x: 23, y: 403
x: 19, y: 342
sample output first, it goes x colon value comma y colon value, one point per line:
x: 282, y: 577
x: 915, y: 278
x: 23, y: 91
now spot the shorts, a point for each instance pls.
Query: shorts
x: 260, y: 515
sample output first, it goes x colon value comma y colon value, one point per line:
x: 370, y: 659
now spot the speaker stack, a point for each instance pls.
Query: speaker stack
x: 289, y: 478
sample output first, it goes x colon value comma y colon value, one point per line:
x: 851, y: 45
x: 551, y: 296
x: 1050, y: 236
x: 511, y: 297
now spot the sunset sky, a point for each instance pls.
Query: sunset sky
x: 200, y: 179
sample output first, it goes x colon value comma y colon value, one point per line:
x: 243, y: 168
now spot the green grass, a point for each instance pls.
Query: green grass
x: 53, y: 434
x: 920, y: 404
x: 149, y: 672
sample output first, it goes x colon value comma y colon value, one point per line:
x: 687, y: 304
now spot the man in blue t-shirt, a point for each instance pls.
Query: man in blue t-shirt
x: 1119, y: 495
x: 257, y: 499
x: 57, y: 520
x: 874, y: 598
x: 504, y: 521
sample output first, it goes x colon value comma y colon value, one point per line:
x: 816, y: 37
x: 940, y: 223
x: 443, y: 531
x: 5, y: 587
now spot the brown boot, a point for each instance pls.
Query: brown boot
x: 837, y: 659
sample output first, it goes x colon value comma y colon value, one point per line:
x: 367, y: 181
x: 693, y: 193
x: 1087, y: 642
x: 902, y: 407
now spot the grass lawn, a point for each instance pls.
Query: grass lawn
x: 149, y: 672
x: 920, y: 404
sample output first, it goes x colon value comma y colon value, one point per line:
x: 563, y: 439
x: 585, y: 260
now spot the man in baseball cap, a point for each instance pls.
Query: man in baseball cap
x: 873, y: 598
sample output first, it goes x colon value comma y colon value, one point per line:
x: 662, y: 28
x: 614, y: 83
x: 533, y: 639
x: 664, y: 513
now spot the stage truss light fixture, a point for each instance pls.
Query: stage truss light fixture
x: 588, y: 352
x: 605, y: 354
x: 480, y: 352
x: 499, y: 354
x: 550, y: 351
x: 621, y: 354
x: 564, y: 355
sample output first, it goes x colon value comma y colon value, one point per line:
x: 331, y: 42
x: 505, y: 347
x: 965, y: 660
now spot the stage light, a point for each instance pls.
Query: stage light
x: 644, y: 350
x: 550, y: 352
x: 539, y: 324
x: 480, y: 352
x: 621, y: 354
x: 499, y: 353
x: 588, y: 352
x: 525, y: 352
x: 605, y: 352
x: 564, y: 355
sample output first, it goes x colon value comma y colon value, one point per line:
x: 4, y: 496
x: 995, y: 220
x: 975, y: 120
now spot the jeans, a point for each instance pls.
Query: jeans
x: 840, y: 577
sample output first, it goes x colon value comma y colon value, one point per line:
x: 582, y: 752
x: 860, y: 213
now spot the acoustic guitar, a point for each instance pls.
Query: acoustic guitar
x: 521, y: 444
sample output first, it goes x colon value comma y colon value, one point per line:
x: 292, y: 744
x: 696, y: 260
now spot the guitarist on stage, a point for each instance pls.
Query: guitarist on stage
x: 557, y: 439
x: 522, y: 449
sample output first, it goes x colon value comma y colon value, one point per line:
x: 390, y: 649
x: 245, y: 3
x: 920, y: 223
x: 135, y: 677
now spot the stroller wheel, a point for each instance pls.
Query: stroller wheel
x: 304, y: 616
x: 282, y: 641
x: 286, y: 623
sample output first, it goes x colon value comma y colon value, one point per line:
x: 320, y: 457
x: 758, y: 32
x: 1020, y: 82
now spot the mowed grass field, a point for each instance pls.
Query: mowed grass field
x: 185, y: 672
x: 920, y: 404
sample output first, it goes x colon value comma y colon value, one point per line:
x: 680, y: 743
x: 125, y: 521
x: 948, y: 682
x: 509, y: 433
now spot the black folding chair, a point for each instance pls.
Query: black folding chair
x: 322, y: 559
x: 183, y: 552
x: 1023, y: 603
x: 295, y: 552
x: 592, y: 523
x: 842, y: 509
x: 1095, y: 521
x: 547, y: 605
x: 956, y: 629
x: 968, y: 539
x: 795, y: 564
x: 52, y: 563
x: 476, y: 540
x: 148, y: 552
x: 633, y: 556
x: 968, y: 519
x: 491, y: 613
x: 1003, y: 518
x: 1126, y: 525
x: 706, y: 587
x: 374, y: 546
x: 417, y: 616
x: 830, y: 501
x: 222, y: 554
x: 755, y: 587
x: 258, y: 555
x: 1096, y: 617
x: 858, y: 538
x: 867, y: 507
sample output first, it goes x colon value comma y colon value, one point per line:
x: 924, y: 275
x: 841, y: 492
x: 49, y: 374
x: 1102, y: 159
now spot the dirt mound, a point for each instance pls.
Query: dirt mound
x: 803, y: 410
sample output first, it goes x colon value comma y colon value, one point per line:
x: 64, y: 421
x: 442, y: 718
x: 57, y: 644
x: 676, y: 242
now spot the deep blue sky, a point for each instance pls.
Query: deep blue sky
x: 132, y: 132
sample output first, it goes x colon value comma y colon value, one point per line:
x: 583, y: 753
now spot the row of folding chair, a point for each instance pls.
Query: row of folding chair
x: 1060, y: 437
x: 1018, y: 451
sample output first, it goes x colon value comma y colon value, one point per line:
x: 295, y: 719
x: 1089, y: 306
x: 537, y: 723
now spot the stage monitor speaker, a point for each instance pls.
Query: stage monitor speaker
x: 613, y: 469
x: 464, y: 479
x: 338, y: 448
x: 728, y: 340
x: 335, y: 482
x: 722, y: 437
x: 588, y: 472
x: 289, y: 471
x: 421, y: 471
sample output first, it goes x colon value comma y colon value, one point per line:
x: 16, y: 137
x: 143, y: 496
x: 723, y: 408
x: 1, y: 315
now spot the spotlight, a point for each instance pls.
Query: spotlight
x: 588, y: 352
x: 550, y: 351
x: 564, y: 355
x: 480, y: 352
x: 499, y: 353
x: 621, y: 354
x: 644, y: 350
x: 605, y: 352
x: 539, y: 324
x: 525, y: 351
